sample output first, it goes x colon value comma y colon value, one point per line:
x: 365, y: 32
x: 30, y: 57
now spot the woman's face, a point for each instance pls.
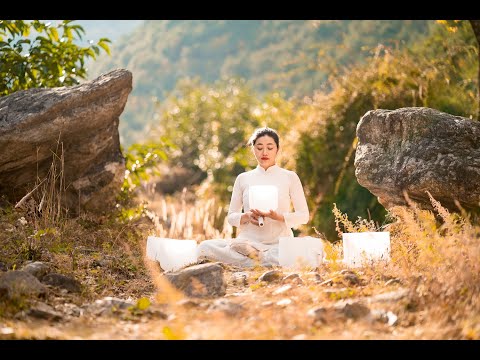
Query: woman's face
x: 265, y: 150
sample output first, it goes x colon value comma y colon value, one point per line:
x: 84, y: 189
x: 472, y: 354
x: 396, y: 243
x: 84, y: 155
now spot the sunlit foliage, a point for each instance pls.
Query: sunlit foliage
x: 38, y: 54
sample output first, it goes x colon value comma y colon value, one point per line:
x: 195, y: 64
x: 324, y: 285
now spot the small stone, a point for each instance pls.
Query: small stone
x: 284, y: 302
x: 240, y: 278
x: 282, y: 289
x: 6, y: 331
x: 270, y: 276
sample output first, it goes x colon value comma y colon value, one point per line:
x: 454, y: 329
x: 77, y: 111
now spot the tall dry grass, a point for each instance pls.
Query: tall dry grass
x: 188, y: 217
x: 437, y: 255
x: 44, y: 203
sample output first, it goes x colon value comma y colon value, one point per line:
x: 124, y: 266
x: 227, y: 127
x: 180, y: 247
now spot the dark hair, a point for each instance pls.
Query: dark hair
x: 262, y: 132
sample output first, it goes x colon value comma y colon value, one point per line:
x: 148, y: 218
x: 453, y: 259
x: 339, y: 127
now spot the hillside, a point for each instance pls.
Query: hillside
x: 294, y: 57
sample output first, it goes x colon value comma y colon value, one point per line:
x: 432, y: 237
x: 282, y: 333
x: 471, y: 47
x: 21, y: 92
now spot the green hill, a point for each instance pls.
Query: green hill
x: 294, y: 57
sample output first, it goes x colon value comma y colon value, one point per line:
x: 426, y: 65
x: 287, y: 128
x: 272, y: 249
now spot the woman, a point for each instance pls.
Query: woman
x: 255, y: 244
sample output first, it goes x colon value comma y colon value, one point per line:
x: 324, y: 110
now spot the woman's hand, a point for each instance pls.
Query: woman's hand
x: 249, y: 218
x: 270, y: 214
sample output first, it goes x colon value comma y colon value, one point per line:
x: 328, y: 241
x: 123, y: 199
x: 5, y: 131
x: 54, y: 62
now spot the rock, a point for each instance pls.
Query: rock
x: 271, y: 275
x: 155, y: 312
x: 84, y: 118
x: 188, y: 303
x: 418, y: 150
x: 240, y: 278
x: 105, y: 261
x: 228, y: 307
x: 341, y: 309
x: 352, y: 310
x: 386, y: 317
x: 351, y: 278
x: 37, y: 269
x: 388, y: 296
x: 315, y: 275
x: 282, y: 289
x: 108, y: 306
x: 63, y: 282
x: 293, y: 278
x: 204, y: 280
x: 20, y: 283
x: 284, y: 302
x: 43, y: 311
x: 69, y: 309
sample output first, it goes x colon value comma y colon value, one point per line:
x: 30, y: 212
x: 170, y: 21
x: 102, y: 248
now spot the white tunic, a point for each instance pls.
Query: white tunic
x: 290, y: 191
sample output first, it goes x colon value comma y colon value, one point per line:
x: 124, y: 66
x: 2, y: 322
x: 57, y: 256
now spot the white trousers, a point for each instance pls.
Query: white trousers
x: 219, y: 250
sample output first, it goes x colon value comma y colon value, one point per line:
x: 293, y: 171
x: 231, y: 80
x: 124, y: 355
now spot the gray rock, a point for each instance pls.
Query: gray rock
x: 351, y: 278
x: 240, y: 278
x: 101, y: 263
x: 271, y: 275
x: 84, y: 118
x: 43, y: 311
x: 63, y: 282
x: 341, y: 309
x: 418, y: 150
x: 204, y: 280
x: 69, y: 309
x: 352, y: 310
x: 293, y: 278
x: 156, y: 312
x: 19, y: 284
x: 37, y: 269
x: 108, y: 306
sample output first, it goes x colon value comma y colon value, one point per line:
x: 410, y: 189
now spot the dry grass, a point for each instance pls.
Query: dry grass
x: 187, y: 217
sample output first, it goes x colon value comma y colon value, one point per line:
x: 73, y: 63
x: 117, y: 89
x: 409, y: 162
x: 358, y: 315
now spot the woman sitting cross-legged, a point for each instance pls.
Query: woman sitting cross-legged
x: 255, y: 244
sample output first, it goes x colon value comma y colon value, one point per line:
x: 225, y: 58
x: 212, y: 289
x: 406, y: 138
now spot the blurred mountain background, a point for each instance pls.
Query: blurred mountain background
x: 293, y: 57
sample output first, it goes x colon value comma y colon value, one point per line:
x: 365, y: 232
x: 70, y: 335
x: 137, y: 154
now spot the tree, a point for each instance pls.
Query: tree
x: 34, y: 54
x: 476, y: 30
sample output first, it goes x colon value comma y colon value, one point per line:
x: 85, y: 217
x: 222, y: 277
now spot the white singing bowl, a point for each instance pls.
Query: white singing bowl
x: 172, y: 254
x: 300, y: 252
x: 263, y: 198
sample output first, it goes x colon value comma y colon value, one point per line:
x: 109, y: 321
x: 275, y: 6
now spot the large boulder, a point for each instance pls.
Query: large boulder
x: 418, y: 150
x: 79, y: 121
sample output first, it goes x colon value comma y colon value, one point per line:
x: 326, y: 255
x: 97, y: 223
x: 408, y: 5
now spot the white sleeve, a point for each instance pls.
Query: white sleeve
x: 235, y: 209
x: 301, y: 213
